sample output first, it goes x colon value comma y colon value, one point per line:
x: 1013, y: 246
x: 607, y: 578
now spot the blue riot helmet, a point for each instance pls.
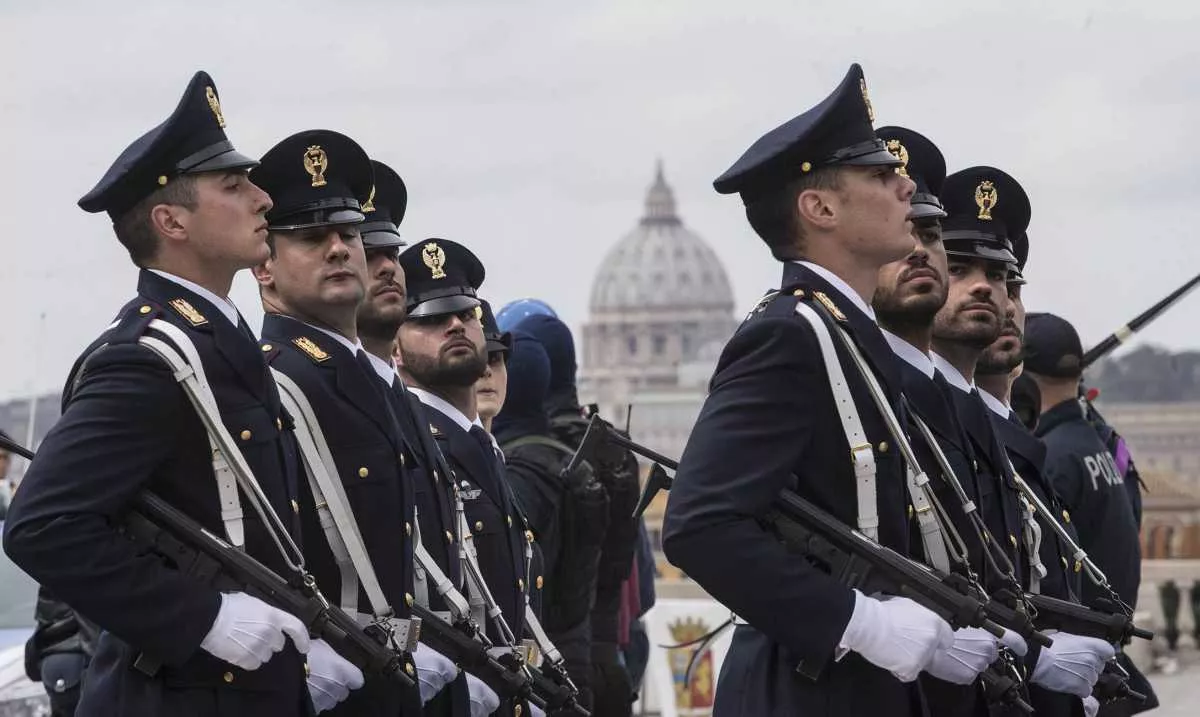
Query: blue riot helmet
x: 514, y: 312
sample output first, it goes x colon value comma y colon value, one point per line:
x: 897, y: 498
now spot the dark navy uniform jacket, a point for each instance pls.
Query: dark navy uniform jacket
x: 1028, y: 455
x: 370, y: 453
x: 1086, y: 479
x: 498, y: 529
x: 926, y: 398
x: 770, y: 423
x: 997, y: 498
x: 127, y: 427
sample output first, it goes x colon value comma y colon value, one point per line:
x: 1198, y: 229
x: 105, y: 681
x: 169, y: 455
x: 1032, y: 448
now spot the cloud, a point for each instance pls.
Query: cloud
x: 528, y: 130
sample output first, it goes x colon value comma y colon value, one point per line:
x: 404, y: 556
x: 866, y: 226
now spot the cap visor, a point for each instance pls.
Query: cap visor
x: 875, y: 158
x: 979, y: 250
x: 921, y: 210
x: 380, y: 234
x: 232, y: 159
x: 443, y: 305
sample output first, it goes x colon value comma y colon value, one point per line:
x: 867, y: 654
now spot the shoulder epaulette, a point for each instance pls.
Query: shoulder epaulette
x: 269, y: 350
x: 133, y: 322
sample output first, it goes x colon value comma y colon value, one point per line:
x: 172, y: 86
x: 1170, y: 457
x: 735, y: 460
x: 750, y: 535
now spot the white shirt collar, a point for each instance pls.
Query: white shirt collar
x: 843, y: 288
x: 223, y: 304
x: 352, y: 346
x: 910, y: 354
x: 998, y: 407
x: 385, y: 369
x: 953, y: 377
x: 443, y: 406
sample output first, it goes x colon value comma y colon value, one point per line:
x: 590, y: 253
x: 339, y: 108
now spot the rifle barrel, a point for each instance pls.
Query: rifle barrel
x: 1123, y: 334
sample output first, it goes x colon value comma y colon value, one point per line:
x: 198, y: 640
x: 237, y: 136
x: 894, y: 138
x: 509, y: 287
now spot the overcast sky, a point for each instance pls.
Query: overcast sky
x: 528, y: 130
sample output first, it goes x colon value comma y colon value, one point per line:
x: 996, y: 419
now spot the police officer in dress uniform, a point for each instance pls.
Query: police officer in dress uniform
x: 911, y: 291
x: 182, y: 205
x: 312, y: 286
x: 379, y: 318
x: 491, y: 389
x: 822, y: 192
x: 986, y: 207
x: 443, y: 353
x: 1085, y: 476
x: 995, y: 372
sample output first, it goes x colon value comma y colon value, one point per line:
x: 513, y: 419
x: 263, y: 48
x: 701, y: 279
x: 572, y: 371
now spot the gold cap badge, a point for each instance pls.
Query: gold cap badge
x: 862, y: 85
x: 369, y: 205
x: 901, y: 153
x: 435, y: 259
x: 316, y: 163
x: 986, y: 198
x: 188, y: 312
x: 316, y: 353
x: 214, y: 105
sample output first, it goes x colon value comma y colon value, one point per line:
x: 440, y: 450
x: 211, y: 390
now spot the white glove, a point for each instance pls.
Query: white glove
x: 1091, y: 706
x: 330, y: 676
x: 973, y: 650
x: 483, y: 700
x: 896, y: 634
x: 1014, y: 642
x: 248, y: 632
x: 1072, y: 664
x: 536, y: 711
x: 434, y: 671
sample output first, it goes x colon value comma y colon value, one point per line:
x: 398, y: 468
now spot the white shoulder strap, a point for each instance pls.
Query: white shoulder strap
x: 333, y: 507
x: 861, y: 454
x: 917, y: 481
x: 229, y: 465
x: 459, y: 609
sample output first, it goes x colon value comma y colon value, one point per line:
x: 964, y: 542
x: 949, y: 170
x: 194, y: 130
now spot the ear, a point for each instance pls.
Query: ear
x: 169, y: 222
x: 818, y: 207
x: 263, y: 274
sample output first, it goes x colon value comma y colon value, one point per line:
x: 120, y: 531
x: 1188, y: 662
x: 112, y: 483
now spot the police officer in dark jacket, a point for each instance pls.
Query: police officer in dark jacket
x: 379, y: 318
x: 536, y: 465
x: 994, y: 374
x: 986, y: 208
x: 770, y: 422
x: 909, y: 295
x: 183, y: 207
x: 616, y: 469
x: 1085, y: 477
x: 1078, y: 464
x: 443, y: 353
x: 312, y: 286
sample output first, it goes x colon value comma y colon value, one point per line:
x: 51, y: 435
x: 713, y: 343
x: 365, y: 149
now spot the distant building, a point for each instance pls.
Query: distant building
x: 1162, y: 436
x: 661, y: 310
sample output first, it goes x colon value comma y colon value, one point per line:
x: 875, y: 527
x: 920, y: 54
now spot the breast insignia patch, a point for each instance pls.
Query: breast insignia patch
x: 433, y: 430
x: 188, y: 312
x: 316, y: 353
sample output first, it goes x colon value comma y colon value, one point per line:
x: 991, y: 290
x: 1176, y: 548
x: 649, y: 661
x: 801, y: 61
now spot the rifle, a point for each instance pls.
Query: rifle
x: 857, y: 561
x: 198, y: 553
x: 462, y: 644
x: 1139, y: 322
x: 601, y: 433
x: 1114, y: 685
x: 1105, y: 622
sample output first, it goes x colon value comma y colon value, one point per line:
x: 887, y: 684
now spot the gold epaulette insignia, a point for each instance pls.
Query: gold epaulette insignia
x: 316, y: 353
x: 188, y: 312
x: 829, y: 305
